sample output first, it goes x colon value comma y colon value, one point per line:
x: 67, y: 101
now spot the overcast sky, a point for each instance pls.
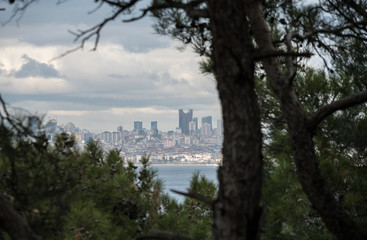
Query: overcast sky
x: 135, y: 74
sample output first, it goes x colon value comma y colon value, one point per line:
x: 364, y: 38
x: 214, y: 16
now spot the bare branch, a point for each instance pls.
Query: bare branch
x: 67, y: 53
x: 14, y: 123
x: 96, y: 9
x: 7, y: 118
x: 19, y: 11
x: 343, y: 103
x: 187, y: 7
x: 162, y: 235
x: 96, y: 30
x: 337, y: 31
x: 194, y: 195
x: 124, y: 7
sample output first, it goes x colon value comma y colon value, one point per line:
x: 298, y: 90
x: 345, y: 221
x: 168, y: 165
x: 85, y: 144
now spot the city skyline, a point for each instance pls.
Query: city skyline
x: 138, y: 125
x: 142, y: 76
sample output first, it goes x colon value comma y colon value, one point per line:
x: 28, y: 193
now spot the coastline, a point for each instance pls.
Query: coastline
x: 180, y: 164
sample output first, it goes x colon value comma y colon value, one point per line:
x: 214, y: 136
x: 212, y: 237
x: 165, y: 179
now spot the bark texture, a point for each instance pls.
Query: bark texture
x: 237, y: 211
x: 13, y: 224
x: 308, y: 171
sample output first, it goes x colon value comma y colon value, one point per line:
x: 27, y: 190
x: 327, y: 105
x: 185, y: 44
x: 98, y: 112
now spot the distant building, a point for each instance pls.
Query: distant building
x: 138, y: 125
x: 206, y: 129
x: 51, y: 126
x: 178, y: 130
x: 34, y: 124
x: 116, y: 137
x: 184, y: 120
x: 192, y: 127
x: 69, y: 127
x: 219, y: 128
x: 154, y: 129
x: 120, y: 129
x: 88, y: 136
x: 207, y: 120
x: 106, y: 137
x: 153, y: 125
x: 195, y: 119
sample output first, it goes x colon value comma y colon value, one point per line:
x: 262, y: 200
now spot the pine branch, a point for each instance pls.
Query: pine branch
x: 194, y: 195
x: 343, y: 103
x: 162, y: 235
x: 261, y: 55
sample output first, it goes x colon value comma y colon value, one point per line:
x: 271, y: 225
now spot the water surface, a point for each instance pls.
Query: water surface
x: 178, y: 177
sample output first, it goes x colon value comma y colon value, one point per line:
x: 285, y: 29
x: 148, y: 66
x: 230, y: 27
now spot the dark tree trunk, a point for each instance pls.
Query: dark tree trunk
x: 13, y: 224
x: 308, y: 171
x: 236, y: 212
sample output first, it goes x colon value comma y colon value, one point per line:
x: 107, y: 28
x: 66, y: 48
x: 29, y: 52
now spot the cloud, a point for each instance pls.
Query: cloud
x: 32, y: 85
x: 33, y: 68
x: 26, y: 75
x: 109, y: 86
x: 133, y: 75
x: 47, y: 24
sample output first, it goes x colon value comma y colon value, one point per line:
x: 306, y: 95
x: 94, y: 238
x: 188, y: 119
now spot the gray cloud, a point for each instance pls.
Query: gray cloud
x: 118, y: 76
x: 49, y: 21
x: 33, y: 68
x: 101, y: 86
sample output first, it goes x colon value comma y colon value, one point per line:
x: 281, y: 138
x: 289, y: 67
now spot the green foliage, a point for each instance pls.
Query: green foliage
x: 341, y: 152
x: 36, y: 179
x: 193, y: 218
x: 65, y: 193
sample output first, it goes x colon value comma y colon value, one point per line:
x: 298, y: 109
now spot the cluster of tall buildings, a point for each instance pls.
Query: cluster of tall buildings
x: 189, y: 143
x: 189, y: 124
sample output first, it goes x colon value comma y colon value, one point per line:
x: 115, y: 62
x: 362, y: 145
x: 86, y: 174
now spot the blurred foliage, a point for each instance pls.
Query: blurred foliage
x: 66, y: 193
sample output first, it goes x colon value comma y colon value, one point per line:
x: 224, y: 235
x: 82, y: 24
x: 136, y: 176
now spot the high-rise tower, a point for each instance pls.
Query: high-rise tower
x: 207, y: 120
x: 138, y: 125
x: 195, y: 119
x: 184, y: 120
x: 153, y: 125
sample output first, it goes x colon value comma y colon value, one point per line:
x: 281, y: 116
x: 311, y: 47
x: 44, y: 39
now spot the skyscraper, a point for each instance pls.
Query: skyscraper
x: 184, y: 120
x: 153, y: 125
x: 120, y: 129
x: 219, y: 128
x: 207, y: 120
x: 138, y: 125
x: 195, y: 119
x: 192, y: 128
x: 205, y: 129
x: 51, y: 126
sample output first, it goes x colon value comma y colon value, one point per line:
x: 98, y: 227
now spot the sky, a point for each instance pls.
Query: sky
x: 134, y: 75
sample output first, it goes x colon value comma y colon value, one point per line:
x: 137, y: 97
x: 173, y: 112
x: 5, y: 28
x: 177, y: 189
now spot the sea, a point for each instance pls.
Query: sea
x: 178, y: 177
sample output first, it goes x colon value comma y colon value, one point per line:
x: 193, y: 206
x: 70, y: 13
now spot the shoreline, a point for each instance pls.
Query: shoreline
x: 180, y: 164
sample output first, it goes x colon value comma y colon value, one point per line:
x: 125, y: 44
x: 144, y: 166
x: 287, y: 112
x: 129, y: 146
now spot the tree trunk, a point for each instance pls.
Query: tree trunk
x: 13, y: 224
x: 236, y: 211
x: 333, y: 215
